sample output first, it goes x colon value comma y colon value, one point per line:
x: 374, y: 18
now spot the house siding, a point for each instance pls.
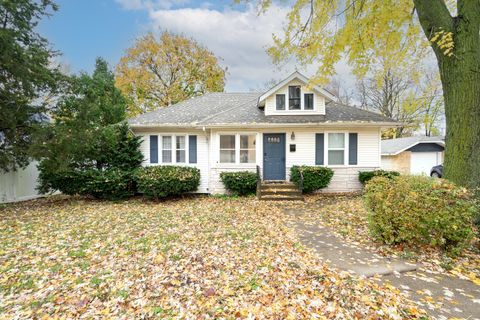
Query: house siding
x: 345, y: 178
x: 318, y: 102
x: 202, y: 153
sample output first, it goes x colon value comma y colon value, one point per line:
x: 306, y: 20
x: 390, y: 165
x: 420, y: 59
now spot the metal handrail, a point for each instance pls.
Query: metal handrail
x: 259, y: 183
x: 300, y: 186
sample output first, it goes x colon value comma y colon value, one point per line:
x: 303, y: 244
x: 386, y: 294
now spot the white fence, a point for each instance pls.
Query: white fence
x: 19, y: 185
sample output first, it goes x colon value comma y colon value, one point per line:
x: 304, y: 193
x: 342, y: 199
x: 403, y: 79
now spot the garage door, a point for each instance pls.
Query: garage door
x: 422, y: 162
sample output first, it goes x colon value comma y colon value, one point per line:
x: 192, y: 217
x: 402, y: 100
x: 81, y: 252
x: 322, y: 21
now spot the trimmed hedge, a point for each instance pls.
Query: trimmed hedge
x: 314, y: 177
x: 418, y: 211
x: 240, y: 182
x: 163, y: 181
x: 365, y: 176
x: 110, y: 184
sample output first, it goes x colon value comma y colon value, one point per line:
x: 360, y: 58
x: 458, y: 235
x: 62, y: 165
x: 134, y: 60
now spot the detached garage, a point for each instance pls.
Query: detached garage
x: 412, y: 155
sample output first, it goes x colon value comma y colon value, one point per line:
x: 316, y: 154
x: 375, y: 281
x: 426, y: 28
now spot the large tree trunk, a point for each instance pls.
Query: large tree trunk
x: 461, y: 89
x: 460, y: 74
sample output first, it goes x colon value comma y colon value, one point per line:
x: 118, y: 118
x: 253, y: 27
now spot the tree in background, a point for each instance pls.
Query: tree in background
x: 160, y: 72
x: 391, y: 95
x: 27, y: 78
x: 432, y: 104
x: 337, y: 87
x: 88, y: 148
x: 320, y: 30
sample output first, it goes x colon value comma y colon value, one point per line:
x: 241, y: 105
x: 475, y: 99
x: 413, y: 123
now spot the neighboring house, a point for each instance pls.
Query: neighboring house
x: 19, y: 185
x: 290, y: 124
x: 413, y: 155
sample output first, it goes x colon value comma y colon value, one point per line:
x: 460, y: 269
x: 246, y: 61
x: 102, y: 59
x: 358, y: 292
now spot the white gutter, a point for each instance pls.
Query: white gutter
x: 268, y: 125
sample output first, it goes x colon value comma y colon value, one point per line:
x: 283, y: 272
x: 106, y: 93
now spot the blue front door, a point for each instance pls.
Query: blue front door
x: 274, y: 156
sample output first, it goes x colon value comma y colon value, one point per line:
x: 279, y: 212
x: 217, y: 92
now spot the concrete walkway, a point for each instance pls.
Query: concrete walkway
x: 443, y: 296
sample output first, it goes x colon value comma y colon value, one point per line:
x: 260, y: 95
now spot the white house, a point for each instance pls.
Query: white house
x: 291, y: 124
x: 413, y: 155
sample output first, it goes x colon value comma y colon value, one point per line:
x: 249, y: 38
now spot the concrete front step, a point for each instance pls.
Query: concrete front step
x: 282, y: 198
x: 280, y: 191
x: 283, y: 192
x: 279, y: 185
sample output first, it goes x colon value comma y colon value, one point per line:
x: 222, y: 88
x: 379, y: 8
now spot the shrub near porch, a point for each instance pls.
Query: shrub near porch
x: 314, y: 177
x: 240, y: 182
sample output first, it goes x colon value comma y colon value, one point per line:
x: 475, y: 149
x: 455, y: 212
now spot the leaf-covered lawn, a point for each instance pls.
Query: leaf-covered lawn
x: 348, y: 217
x: 193, y: 258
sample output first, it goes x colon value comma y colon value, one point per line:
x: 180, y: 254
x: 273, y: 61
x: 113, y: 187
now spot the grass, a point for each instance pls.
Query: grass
x: 185, y: 258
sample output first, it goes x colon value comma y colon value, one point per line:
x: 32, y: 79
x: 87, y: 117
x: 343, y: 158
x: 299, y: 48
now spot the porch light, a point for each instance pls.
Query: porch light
x: 292, y: 136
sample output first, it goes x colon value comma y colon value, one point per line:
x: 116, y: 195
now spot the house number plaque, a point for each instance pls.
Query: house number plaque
x: 273, y: 139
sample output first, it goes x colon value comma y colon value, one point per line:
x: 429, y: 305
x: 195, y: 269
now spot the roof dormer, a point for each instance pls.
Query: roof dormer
x: 293, y: 96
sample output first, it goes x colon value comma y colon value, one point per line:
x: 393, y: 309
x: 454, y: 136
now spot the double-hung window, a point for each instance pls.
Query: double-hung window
x: 227, y: 148
x: 166, y: 149
x: 247, y: 148
x: 180, y: 149
x: 237, y: 148
x: 294, y: 101
x: 336, y: 148
x: 308, y: 101
x: 280, y: 101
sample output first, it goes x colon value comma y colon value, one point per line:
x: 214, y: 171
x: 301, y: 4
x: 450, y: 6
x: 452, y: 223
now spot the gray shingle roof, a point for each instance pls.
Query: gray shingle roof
x: 395, y: 146
x: 241, y: 108
x: 194, y: 110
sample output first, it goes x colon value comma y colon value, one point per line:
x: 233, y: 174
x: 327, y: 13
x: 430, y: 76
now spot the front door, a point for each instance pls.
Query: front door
x: 274, y: 156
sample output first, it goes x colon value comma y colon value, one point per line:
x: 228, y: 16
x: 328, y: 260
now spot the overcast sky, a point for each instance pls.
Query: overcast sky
x: 83, y: 30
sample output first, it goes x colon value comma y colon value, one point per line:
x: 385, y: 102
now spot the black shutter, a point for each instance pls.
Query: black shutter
x: 153, y: 149
x: 353, y: 148
x: 192, y: 149
x: 319, y: 148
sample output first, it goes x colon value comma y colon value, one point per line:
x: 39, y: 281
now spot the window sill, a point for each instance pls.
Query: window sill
x: 234, y: 165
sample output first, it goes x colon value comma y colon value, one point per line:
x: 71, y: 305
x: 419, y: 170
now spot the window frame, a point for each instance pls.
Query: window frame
x: 346, y: 150
x: 237, y: 149
x: 305, y: 101
x: 171, y: 136
x: 220, y: 149
x: 184, y: 149
x: 173, y: 149
x: 299, y: 98
x: 337, y: 149
x: 240, y: 149
x: 278, y: 95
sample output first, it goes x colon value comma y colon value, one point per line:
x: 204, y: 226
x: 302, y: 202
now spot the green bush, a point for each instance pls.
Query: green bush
x: 163, y: 181
x: 110, y: 184
x: 106, y: 171
x: 240, y: 182
x: 365, y: 176
x: 314, y: 178
x: 418, y: 211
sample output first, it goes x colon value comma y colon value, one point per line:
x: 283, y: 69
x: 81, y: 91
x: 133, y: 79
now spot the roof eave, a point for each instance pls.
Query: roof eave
x: 306, y: 124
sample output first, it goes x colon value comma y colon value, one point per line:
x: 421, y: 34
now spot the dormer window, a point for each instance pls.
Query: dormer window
x: 294, y: 95
x: 308, y: 101
x: 280, y: 101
